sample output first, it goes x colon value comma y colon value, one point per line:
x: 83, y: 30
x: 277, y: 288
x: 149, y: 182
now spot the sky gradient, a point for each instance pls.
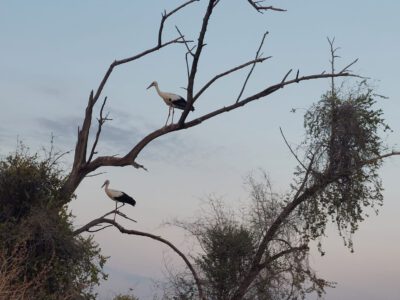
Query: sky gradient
x: 53, y: 53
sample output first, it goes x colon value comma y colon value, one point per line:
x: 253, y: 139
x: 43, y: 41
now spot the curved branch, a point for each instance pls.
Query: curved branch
x: 122, y: 229
x: 130, y: 157
x: 280, y: 254
x: 291, y: 150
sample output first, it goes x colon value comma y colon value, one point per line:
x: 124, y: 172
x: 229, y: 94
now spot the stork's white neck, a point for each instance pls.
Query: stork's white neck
x: 158, y: 90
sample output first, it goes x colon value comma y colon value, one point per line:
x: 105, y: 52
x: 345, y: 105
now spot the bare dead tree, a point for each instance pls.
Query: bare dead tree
x: 85, y: 159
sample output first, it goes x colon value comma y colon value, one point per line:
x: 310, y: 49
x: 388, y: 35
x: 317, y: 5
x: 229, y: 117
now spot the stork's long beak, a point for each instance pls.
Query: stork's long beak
x: 151, y: 84
x: 103, y: 185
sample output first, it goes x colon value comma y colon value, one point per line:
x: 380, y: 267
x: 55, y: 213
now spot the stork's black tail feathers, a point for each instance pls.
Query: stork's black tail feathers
x: 181, y: 104
x: 126, y: 199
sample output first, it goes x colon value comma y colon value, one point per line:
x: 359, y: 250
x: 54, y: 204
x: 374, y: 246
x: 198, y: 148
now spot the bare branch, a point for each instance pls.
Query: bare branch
x: 280, y: 254
x: 166, y: 15
x: 125, y: 216
x: 195, y: 61
x: 261, y: 8
x: 379, y: 157
x: 101, y: 121
x: 291, y: 150
x: 97, y: 230
x: 138, y: 166
x: 102, y: 220
x: 287, y: 74
x: 252, y: 67
x: 96, y: 174
x: 59, y: 156
x: 332, y: 61
x: 129, y: 59
x: 209, y: 83
x: 187, y: 64
x: 346, y: 68
x: 189, y: 50
x: 131, y: 156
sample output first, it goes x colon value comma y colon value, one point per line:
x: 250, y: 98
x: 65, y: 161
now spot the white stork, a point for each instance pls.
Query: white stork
x: 118, y: 196
x: 172, y: 100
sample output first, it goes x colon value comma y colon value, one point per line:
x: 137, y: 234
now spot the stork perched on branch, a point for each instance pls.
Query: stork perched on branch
x: 118, y: 196
x: 172, y: 100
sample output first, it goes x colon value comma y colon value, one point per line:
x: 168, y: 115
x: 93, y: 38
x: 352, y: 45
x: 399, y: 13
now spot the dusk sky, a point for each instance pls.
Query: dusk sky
x: 53, y: 53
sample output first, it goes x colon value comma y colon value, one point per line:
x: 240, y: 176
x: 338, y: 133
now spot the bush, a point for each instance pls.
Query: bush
x: 40, y: 258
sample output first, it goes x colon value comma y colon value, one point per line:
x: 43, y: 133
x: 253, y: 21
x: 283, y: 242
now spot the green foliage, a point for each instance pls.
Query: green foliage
x: 32, y: 219
x: 125, y: 297
x: 343, y: 139
x: 228, y: 250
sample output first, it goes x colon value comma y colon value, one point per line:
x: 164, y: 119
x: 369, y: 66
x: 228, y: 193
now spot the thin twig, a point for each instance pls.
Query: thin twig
x: 280, y: 254
x: 346, y: 68
x: 166, y: 15
x: 139, y: 166
x: 125, y: 216
x: 59, y: 156
x: 261, y: 8
x: 287, y: 74
x: 185, y: 42
x: 195, y: 62
x: 96, y: 174
x: 101, y: 120
x: 252, y: 67
x: 210, y: 82
x: 97, y: 230
x: 291, y: 150
x: 332, y: 61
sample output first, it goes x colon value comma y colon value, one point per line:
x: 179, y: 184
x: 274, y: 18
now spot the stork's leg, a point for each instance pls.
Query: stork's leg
x: 169, y: 113
x: 116, y: 208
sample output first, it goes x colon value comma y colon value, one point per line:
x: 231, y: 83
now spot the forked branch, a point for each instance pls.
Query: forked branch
x: 132, y: 155
x: 252, y: 67
x: 216, y: 77
x: 80, y: 160
x: 166, y: 15
x: 101, y: 120
x: 261, y: 8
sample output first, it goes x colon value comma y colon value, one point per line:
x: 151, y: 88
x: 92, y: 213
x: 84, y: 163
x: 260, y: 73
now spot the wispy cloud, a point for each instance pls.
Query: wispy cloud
x: 121, y: 134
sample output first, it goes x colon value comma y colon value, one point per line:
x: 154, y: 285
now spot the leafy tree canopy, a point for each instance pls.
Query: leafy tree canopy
x: 40, y: 258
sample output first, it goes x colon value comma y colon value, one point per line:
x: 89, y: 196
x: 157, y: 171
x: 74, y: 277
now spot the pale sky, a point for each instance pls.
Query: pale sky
x: 53, y: 53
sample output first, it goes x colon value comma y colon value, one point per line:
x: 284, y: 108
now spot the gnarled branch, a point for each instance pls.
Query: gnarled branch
x: 103, y: 220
